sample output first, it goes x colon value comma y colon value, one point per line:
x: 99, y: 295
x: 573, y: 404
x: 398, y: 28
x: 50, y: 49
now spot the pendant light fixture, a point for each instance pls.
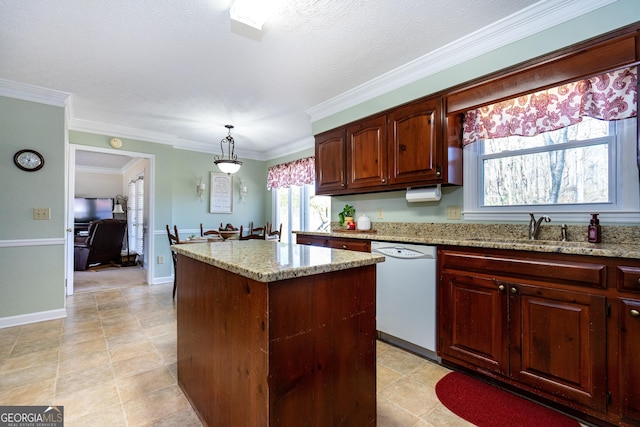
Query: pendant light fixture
x: 229, y: 164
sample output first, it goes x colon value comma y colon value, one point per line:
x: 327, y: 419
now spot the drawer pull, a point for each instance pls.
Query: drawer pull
x: 634, y: 313
x: 514, y: 290
x: 344, y: 246
x: 501, y: 288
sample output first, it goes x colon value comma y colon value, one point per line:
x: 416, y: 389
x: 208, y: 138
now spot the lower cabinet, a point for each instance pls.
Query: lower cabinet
x: 359, y: 245
x: 546, y: 323
x: 629, y: 363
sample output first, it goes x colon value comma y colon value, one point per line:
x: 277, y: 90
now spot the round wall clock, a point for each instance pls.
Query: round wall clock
x: 28, y: 160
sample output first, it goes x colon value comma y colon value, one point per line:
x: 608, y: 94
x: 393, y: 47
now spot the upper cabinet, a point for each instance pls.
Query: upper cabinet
x: 409, y: 146
x: 330, y: 153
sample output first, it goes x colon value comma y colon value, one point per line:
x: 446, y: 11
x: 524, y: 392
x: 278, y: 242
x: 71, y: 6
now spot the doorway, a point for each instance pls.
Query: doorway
x: 103, y: 172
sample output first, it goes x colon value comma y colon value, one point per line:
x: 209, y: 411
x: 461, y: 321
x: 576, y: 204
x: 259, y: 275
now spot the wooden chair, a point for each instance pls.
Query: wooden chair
x: 174, y: 239
x: 209, y: 233
x: 251, y: 236
x: 274, y: 234
x: 257, y: 230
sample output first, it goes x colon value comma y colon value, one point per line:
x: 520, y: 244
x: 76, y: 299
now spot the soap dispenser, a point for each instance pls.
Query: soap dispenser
x: 594, y: 232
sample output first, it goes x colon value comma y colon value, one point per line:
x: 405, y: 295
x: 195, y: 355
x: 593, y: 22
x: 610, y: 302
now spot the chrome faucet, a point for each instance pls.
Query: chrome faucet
x: 534, y: 225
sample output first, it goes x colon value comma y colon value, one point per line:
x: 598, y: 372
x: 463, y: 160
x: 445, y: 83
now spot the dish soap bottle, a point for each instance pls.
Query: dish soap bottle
x: 594, y: 233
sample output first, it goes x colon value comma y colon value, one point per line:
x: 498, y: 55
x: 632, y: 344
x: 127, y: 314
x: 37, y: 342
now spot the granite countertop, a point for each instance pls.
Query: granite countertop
x: 618, y: 241
x: 269, y: 261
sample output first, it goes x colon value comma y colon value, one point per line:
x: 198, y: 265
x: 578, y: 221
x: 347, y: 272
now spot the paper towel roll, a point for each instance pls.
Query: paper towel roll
x: 428, y: 194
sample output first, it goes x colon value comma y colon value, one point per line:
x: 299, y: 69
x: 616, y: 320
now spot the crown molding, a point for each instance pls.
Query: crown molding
x: 290, y: 148
x: 27, y: 92
x: 534, y: 19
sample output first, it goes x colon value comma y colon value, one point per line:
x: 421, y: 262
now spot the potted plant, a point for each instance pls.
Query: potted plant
x: 347, y: 214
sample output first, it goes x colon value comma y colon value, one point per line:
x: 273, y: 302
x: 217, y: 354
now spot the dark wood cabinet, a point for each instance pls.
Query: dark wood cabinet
x: 473, y: 318
x: 367, y: 153
x: 556, y: 342
x: 415, y: 143
x: 409, y: 146
x: 359, y: 245
x: 330, y: 153
x: 629, y: 362
x: 543, y: 323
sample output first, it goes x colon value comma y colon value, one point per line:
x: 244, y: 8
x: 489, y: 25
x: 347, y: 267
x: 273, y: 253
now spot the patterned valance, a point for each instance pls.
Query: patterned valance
x: 298, y: 172
x: 609, y: 96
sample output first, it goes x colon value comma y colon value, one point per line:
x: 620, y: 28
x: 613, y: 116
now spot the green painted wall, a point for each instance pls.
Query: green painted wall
x: 32, y: 278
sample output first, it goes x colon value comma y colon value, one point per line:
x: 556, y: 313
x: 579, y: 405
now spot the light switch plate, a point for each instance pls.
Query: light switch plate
x: 453, y: 212
x: 41, y: 213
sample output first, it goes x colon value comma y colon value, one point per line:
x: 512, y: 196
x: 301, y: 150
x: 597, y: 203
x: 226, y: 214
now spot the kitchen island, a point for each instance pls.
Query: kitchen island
x: 277, y: 334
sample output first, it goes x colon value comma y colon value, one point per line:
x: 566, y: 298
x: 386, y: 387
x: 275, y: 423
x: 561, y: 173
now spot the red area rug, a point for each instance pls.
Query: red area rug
x: 487, y: 406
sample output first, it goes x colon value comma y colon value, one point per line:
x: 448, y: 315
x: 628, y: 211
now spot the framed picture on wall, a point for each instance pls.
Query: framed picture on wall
x: 221, y: 200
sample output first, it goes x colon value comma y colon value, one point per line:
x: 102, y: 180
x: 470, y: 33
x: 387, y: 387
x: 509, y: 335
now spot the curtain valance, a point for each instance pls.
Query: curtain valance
x: 609, y: 96
x: 298, y: 172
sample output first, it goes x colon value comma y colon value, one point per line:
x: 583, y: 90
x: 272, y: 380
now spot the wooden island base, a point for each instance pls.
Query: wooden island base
x: 294, y: 352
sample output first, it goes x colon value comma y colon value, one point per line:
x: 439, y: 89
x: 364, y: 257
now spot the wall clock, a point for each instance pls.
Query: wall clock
x: 28, y: 160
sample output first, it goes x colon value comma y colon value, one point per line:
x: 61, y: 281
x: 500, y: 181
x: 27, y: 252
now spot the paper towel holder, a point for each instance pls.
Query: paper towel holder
x: 425, y: 194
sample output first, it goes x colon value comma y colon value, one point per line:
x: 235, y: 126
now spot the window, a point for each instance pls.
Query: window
x: 136, y: 215
x: 298, y: 208
x: 569, y: 149
x: 583, y: 168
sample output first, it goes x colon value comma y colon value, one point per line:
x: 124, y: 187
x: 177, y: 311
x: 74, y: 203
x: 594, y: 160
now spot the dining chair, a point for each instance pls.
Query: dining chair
x: 256, y: 230
x: 251, y: 236
x: 274, y: 234
x: 210, y: 233
x: 174, y: 239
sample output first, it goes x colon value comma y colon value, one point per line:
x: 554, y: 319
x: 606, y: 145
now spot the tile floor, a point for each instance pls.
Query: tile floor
x: 112, y: 362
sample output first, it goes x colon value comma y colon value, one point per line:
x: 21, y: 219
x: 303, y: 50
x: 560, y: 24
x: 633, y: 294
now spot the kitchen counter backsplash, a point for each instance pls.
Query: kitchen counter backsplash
x: 575, y: 233
x: 617, y: 241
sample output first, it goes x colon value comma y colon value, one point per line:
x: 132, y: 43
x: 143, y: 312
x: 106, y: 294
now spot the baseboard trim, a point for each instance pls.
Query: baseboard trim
x: 161, y: 280
x: 24, y: 319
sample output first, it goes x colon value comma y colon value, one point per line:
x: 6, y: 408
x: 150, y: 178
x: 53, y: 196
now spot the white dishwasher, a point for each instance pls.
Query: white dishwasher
x: 406, y: 296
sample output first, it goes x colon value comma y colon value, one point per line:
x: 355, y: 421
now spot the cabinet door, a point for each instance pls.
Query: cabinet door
x: 629, y: 362
x: 367, y: 153
x: 558, y: 342
x: 415, y: 143
x: 330, y: 162
x: 474, y: 330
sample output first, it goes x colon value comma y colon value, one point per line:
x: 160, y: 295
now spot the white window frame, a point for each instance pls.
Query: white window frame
x: 624, y: 206
x: 304, y: 203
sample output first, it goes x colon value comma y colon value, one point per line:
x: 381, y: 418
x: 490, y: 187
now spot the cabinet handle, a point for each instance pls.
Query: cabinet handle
x: 384, y: 180
x: 638, y: 280
x: 344, y: 246
x: 341, y: 185
x: 501, y: 288
x: 514, y: 290
x: 634, y: 313
x: 438, y: 173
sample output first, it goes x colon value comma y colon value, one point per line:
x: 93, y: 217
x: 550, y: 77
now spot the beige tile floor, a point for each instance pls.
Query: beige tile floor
x: 112, y: 362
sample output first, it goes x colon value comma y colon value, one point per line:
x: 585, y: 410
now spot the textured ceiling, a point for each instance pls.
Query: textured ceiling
x: 180, y: 68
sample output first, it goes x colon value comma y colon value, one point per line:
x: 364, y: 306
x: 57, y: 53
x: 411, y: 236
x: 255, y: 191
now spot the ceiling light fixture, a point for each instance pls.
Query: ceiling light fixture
x: 230, y: 164
x: 253, y: 13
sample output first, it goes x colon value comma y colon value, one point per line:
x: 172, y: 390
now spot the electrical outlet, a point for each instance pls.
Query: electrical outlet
x: 160, y: 259
x: 41, y: 213
x: 380, y: 213
x: 453, y: 212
